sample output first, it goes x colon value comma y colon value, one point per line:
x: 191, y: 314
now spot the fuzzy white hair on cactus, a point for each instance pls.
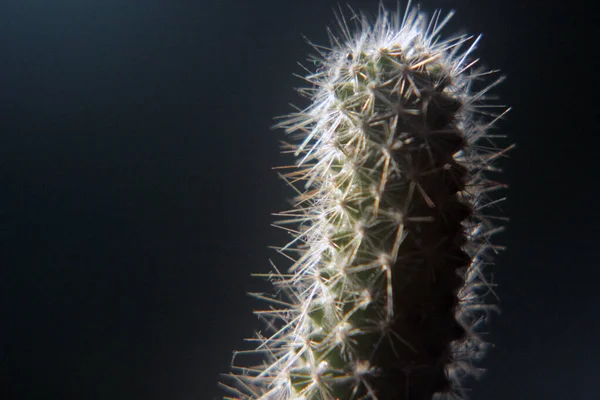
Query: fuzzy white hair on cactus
x: 386, y: 289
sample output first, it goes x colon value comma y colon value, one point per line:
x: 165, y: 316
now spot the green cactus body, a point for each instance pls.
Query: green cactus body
x: 389, y: 241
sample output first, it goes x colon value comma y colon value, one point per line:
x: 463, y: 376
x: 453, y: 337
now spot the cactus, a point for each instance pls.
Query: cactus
x: 386, y: 290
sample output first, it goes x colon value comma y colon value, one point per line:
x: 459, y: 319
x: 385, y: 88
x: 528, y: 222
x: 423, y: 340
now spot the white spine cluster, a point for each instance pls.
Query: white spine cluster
x: 389, y: 231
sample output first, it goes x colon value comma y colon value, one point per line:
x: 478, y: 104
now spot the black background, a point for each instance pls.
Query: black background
x: 136, y: 190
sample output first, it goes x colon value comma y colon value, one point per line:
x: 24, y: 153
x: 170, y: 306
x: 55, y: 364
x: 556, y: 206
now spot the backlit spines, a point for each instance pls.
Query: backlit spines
x: 385, y: 290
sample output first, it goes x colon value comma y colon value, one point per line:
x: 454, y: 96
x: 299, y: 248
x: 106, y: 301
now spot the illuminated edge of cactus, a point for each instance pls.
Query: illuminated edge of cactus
x: 390, y: 235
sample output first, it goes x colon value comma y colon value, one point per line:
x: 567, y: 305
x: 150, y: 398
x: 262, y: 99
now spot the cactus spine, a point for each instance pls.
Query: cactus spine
x: 389, y: 241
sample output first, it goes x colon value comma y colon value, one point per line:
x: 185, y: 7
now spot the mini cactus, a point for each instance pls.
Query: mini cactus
x: 386, y: 289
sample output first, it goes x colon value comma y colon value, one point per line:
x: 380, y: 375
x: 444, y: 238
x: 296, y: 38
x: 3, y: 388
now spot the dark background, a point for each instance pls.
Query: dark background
x: 136, y: 190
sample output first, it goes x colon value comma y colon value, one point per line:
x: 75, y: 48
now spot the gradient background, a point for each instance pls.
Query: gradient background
x: 136, y: 190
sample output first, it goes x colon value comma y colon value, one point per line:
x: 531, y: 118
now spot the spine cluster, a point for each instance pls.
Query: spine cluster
x: 390, y: 234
